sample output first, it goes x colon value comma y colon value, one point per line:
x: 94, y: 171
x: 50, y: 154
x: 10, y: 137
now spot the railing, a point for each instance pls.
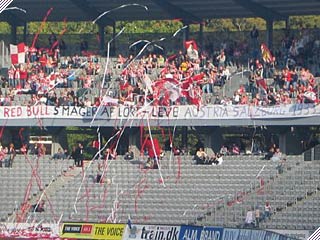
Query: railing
x: 5, y: 61
x: 312, y: 153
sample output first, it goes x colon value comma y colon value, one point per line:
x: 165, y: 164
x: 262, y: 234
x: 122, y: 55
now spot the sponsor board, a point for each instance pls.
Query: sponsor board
x: 295, y: 234
x: 211, y: 233
x: 190, y: 233
x: 230, y: 234
x: 200, y: 233
x: 29, y: 231
x: 253, y: 234
x: 152, y: 232
x: 257, y: 234
x: 92, y: 231
x: 272, y: 236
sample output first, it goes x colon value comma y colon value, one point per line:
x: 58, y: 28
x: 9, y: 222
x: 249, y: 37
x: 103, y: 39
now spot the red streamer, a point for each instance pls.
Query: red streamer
x: 63, y: 31
x: 41, y: 27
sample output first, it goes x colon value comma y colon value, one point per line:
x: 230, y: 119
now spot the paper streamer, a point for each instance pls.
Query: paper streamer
x: 41, y: 27
x: 117, y: 8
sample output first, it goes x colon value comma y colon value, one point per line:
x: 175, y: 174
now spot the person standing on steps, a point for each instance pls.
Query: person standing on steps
x: 79, y: 155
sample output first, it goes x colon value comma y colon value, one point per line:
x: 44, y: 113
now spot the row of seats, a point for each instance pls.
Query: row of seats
x: 157, y: 193
x: 184, y: 193
x: 285, y: 192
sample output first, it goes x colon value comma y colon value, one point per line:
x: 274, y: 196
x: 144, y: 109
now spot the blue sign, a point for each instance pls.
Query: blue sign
x: 230, y: 234
x: 272, y: 236
x: 211, y: 233
x: 245, y: 234
x: 258, y: 234
x: 190, y: 233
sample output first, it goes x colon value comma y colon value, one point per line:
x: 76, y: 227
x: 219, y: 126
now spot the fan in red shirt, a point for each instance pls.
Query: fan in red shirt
x: 153, y: 148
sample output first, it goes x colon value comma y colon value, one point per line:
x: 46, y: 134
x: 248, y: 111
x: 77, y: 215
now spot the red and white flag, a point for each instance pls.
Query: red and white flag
x: 18, y: 53
x: 4, y: 4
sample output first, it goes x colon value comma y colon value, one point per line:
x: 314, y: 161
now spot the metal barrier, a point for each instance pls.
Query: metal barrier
x: 5, y: 61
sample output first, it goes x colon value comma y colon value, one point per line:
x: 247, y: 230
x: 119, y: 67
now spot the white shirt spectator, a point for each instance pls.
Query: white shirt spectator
x: 220, y: 160
x: 249, y: 217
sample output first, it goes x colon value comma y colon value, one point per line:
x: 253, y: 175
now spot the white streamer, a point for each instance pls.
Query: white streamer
x: 15, y: 8
x: 105, y: 73
x: 117, y: 8
x: 144, y: 47
x: 179, y: 30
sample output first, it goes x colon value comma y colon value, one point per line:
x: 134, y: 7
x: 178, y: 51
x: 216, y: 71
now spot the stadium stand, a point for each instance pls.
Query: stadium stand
x: 180, y: 192
x: 191, y: 194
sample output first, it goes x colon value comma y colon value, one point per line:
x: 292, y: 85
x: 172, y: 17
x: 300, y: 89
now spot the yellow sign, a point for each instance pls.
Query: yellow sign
x: 92, y: 231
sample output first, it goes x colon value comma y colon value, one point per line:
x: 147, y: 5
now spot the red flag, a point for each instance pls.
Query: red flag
x: 191, y: 42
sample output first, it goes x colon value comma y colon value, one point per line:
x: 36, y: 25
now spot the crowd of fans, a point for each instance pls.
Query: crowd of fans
x: 7, y: 155
x: 192, y: 74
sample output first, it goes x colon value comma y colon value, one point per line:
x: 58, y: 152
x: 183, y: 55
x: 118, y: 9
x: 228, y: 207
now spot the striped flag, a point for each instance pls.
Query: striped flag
x: 315, y: 235
x: 4, y: 4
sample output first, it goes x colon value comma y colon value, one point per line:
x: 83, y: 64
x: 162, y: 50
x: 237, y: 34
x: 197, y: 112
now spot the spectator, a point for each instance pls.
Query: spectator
x: 95, y: 147
x: 200, y: 156
x: 149, y: 164
x: 235, y: 149
x: 224, y: 150
x: 257, y: 216
x: 152, y: 146
x: 110, y: 154
x: 129, y: 155
x: 11, y: 155
x: 281, y: 166
x: 3, y: 154
x: 267, y: 211
x: 276, y: 157
x: 219, y: 159
x: 78, y: 155
x: 221, y: 59
x: 24, y: 149
x: 162, y: 154
x: 59, y: 155
x: 99, y: 173
x: 39, y: 207
x: 269, y: 154
x: 176, y: 151
x: 254, y: 35
x: 249, y: 221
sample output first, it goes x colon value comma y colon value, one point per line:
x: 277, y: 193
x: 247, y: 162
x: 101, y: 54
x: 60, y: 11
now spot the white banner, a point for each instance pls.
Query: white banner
x: 186, y: 112
x: 152, y: 232
x: 29, y: 231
